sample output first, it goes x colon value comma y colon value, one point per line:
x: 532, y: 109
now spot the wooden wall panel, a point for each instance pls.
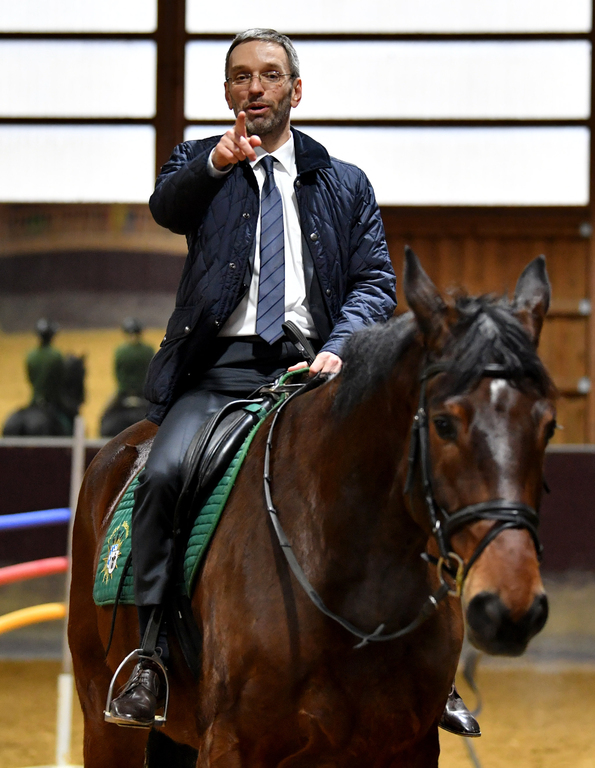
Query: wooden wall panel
x: 567, y: 265
x: 572, y: 418
x: 563, y: 348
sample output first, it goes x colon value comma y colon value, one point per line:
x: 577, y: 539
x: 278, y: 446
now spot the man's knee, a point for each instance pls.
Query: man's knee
x: 158, y: 480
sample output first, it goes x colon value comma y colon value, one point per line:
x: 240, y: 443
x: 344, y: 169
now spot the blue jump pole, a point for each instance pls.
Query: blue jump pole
x: 30, y: 519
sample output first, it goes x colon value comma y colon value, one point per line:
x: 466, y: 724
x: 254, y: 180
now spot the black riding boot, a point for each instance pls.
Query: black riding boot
x: 456, y: 718
x: 144, y: 693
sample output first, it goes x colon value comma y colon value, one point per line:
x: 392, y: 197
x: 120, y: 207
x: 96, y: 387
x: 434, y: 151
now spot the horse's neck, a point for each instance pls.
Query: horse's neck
x: 358, y: 530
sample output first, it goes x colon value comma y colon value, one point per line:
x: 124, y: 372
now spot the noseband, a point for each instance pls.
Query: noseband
x: 507, y: 514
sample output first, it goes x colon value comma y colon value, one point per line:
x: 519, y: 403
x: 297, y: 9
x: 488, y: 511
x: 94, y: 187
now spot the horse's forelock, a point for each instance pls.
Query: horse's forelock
x: 486, y: 331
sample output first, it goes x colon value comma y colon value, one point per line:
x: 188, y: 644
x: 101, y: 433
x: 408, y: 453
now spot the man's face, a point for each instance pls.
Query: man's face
x: 267, y: 108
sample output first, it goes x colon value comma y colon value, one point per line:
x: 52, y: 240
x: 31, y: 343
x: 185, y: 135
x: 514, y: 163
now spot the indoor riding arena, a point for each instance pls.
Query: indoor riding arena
x: 473, y: 121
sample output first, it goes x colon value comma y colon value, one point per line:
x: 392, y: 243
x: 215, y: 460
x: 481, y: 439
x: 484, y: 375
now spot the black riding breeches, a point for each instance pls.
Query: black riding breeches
x: 158, y: 490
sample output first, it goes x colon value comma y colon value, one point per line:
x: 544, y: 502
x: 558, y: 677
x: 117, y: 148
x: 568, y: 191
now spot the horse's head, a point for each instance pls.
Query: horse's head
x: 485, y: 416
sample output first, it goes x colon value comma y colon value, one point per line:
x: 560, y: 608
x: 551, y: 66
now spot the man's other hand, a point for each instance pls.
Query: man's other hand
x: 325, y: 362
x: 235, y: 145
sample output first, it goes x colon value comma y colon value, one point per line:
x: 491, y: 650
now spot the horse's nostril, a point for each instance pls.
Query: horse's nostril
x: 484, y: 614
x: 540, y: 610
x: 492, y: 629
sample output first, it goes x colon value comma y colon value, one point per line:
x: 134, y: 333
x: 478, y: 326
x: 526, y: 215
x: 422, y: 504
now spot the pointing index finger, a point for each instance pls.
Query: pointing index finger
x: 240, y: 126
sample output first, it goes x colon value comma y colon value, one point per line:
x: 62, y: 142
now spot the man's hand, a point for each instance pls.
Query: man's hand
x: 235, y: 145
x: 325, y: 362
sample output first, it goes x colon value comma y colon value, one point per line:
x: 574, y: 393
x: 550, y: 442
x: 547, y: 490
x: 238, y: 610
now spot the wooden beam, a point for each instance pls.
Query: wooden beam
x: 590, y: 351
x: 171, y: 49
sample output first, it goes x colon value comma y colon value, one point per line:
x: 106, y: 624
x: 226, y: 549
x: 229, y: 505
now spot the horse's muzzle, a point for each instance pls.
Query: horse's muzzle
x: 492, y: 630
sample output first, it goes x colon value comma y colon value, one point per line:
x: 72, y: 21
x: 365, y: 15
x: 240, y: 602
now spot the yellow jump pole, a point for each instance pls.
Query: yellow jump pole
x: 33, y: 615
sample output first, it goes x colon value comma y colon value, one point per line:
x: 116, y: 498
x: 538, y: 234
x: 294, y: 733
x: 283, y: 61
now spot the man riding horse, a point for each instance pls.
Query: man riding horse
x: 45, y: 367
x: 131, y: 362
x: 277, y: 230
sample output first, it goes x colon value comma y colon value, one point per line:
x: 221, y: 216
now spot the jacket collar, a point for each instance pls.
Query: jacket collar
x: 309, y: 154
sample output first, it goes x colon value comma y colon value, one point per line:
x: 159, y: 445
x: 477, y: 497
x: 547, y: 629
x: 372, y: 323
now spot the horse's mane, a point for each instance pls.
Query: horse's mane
x: 485, y: 331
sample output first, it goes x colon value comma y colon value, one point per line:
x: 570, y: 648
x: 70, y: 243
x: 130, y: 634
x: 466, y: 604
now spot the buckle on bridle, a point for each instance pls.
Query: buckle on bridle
x: 455, y: 567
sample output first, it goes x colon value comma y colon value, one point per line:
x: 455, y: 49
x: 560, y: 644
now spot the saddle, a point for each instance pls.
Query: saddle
x: 215, y: 445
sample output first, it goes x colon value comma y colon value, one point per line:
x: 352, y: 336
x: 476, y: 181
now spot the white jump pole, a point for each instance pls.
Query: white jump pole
x: 65, y: 679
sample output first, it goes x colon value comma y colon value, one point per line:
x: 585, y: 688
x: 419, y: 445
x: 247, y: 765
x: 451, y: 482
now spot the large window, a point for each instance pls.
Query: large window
x: 78, y: 15
x: 400, y: 80
x: 77, y: 100
x: 458, y: 166
x: 497, y: 116
x: 353, y: 16
x: 466, y: 102
x: 77, y: 79
x: 77, y: 163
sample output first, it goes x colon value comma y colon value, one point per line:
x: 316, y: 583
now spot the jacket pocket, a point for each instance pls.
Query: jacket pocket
x: 168, y: 364
x: 181, y: 323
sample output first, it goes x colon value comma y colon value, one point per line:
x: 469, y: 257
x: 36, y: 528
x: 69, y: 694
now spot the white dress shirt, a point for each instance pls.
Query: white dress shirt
x: 242, y: 321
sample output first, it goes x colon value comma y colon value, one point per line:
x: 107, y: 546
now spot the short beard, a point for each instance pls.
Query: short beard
x: 274, y: 124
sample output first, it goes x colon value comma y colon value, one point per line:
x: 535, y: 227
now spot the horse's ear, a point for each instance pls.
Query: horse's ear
x: 423, y: 297
x: 532, y: 297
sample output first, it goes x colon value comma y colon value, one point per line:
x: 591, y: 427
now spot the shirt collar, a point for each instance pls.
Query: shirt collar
x: 284, y: 155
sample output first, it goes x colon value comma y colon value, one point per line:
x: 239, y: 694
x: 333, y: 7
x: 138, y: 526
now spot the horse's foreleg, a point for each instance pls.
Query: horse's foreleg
x: 424, y: 754
x: 110, y: 746
x: 221, y: 747
x: 315, y: 753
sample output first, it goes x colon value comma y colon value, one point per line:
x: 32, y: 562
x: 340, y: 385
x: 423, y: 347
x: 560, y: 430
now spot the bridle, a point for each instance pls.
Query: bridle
x: 508, y: 514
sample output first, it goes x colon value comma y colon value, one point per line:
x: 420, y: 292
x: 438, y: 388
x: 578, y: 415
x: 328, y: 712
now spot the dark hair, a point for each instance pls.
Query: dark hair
x: 269, y: 36
x: 46, y: 329
x: 131, y: 325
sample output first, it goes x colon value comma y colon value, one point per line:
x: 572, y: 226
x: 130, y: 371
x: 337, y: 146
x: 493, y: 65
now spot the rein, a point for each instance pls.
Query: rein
x: 508, y: 514
x: 377, y: 635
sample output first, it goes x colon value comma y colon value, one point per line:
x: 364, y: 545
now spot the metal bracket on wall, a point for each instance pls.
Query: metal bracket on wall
x: 583, y: 385
x: 584, y: 307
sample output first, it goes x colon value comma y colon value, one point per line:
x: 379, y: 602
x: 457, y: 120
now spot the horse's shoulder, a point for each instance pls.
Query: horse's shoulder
x: 114, y: 467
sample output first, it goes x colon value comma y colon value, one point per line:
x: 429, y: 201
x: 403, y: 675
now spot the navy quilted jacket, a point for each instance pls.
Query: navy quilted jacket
x: 342, y: 227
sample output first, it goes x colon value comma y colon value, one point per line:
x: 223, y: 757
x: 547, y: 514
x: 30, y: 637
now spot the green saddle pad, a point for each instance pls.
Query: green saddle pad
x: 116, y: 547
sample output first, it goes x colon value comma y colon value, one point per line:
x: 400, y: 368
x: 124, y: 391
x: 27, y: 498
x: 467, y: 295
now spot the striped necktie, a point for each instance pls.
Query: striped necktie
x: 270, y: 312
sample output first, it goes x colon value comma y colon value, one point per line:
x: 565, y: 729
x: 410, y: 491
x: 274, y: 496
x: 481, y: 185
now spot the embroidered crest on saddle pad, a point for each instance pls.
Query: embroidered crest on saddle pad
x: 114, y: 543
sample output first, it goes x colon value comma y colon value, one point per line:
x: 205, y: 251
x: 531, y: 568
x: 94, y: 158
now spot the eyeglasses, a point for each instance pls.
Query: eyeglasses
x: 267, y: 79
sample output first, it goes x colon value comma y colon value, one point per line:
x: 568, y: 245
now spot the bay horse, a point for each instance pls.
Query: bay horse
x: 420, y: 461
x: 49, y: 420
x: 120, y: 413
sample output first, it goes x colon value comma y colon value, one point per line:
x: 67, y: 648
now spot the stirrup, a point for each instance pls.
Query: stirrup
x: 139, y: 655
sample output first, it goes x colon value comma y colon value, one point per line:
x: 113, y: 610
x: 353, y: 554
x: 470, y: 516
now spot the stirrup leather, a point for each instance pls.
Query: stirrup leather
x: 138, y: 655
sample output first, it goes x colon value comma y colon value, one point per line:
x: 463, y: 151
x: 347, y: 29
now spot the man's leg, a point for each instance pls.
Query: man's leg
x: 152, y: 543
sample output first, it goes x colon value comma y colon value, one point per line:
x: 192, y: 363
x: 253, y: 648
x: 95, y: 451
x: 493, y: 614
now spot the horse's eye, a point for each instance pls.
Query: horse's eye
x: 550, y: 430
x: 445, y: 428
